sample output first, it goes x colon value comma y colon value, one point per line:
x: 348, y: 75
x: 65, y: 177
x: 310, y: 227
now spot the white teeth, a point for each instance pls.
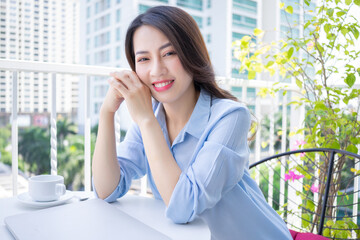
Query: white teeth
x: 159, y: 85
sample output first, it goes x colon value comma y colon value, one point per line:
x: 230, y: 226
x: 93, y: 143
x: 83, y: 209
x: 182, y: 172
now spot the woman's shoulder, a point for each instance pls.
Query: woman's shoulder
x: 221, y: 107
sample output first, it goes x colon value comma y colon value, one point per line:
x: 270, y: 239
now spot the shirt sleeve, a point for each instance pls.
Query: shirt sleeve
x: 131, y: 157
x: 217, y: 168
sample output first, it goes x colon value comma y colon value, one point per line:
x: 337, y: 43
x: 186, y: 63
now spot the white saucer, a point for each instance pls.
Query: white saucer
x: 27, y: 200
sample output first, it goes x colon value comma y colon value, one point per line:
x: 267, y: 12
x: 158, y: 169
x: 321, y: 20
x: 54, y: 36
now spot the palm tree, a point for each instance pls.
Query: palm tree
x: 34, y: 147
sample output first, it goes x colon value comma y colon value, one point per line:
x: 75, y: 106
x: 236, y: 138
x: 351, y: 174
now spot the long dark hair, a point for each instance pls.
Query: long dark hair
x: 184, y: 35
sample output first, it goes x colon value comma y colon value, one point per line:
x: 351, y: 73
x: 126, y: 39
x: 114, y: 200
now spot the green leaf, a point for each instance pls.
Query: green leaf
x: 298, y: 83
x: 269, y: 64
x: 348, y: 2
x: 350, y: 79
x: 355, y: 32
x: 327, y: 27
x: 310, y: 205
x: 306, y: 219
x: 357, y: 2
x: 289, y: 9
x: 344, y: 31
x: 330, y: 12
x: 329, y: 223
x: 251, y: 74
x: 341, y: 13
x: 290, y: 52
x: 352, y: 148
x: 258, y: 32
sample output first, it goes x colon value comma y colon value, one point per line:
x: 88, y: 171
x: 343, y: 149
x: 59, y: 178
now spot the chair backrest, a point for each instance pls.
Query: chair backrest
x: 314, y: 190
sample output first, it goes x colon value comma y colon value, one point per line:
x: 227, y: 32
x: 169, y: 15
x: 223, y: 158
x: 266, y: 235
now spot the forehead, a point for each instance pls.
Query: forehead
x: 147, y: 38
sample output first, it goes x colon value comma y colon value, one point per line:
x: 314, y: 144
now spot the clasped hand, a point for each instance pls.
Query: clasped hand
x: 127, y: 85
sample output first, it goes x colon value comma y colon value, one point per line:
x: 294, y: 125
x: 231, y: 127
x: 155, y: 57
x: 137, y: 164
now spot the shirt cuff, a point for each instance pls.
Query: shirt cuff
x: 180, y: 208
x: 117, y: 193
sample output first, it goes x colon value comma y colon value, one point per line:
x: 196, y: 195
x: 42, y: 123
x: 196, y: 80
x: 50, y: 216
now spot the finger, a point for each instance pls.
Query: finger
x: 118, y: 86
x: 135, y: 79
x: 126, y: 78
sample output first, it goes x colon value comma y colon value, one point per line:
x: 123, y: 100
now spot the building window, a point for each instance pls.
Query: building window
x: 209, y: 4
x: 118, y: 34
x: 193, y: 4
x: 245, y: 5
x: 88, y: 28
x: 208, y: 38
x: 242, y: 21
x: 209, y: 21
x: 88, y: 44
x: 143, y: 8
x: 118, y: 53
x: 88, y: 12
x: 198, y: 20
x: 118, y: 15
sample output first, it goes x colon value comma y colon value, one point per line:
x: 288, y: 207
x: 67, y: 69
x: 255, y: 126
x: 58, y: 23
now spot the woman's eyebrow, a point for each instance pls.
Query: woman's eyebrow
x: 160, y: 48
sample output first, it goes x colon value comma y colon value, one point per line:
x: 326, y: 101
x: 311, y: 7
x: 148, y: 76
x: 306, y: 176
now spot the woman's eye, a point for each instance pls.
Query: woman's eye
x: 142, y: 59
x: 169, y: 53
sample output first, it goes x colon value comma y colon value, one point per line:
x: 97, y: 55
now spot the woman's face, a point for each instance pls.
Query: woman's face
x: 158, y: 66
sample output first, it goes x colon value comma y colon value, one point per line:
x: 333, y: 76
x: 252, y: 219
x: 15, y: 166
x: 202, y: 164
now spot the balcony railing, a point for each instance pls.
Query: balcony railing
x: 263, y: 108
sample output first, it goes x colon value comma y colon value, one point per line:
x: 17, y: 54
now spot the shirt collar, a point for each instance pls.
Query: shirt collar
x: 200, y: 115
x: 198, y: 119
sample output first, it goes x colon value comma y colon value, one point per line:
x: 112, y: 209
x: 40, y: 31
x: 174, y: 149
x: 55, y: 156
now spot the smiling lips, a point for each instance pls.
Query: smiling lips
x: 163, y: 85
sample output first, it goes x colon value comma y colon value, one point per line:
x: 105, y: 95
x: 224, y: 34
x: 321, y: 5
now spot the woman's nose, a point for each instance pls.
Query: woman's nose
x: 158, y: 68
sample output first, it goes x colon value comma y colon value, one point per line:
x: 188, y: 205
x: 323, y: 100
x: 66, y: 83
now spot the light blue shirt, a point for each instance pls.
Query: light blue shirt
x: 215, y: 185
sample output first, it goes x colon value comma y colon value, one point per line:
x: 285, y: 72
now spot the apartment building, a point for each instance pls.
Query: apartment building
x: 45, y: 31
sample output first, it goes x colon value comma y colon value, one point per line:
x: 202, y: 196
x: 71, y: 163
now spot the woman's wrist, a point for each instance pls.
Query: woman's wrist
x: 106, y: 113
x: 147, y: 122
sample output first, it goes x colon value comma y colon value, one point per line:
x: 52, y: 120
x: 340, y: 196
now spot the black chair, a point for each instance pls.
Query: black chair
x: 313, y: 190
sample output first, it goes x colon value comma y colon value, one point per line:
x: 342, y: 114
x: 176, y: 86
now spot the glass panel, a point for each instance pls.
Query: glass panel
x: 143, y: 8
x: 245, y: 5
x: 198, y: 20
x: 193, y: 4
x: 246, y: 22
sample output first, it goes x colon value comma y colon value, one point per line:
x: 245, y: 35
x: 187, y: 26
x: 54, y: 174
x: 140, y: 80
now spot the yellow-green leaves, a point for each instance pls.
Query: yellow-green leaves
x: 282, y: 5
x: 289, y: 9
x: 258, y: 32
x: 290, y: 52
x: 348, y: 2
x: 357, y: 172
x: 357, y: 2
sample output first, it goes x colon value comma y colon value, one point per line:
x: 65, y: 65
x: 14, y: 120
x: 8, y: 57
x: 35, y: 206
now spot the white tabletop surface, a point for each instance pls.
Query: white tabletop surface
x: 148, y: 210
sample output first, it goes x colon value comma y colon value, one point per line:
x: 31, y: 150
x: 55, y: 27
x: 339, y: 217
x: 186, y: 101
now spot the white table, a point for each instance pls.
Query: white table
x: 148, y: 210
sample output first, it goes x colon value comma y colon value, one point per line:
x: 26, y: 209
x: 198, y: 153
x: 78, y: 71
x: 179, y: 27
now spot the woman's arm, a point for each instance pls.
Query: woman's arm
x: 105, y: 167
x: 164, y: 168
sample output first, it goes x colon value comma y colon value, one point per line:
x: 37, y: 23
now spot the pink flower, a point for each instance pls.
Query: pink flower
x: 298, y: 143
x: 314, y: 189
x: 302, y: 154
x: 292, y: 176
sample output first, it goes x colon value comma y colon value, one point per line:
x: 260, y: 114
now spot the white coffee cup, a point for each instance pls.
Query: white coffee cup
x: 44, y: 188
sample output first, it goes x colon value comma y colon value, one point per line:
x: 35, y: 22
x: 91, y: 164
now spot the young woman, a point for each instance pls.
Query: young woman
x: 191, y: 140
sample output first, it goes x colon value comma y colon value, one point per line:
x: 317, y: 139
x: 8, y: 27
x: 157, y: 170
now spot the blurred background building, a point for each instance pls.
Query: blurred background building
x: 44, y: 31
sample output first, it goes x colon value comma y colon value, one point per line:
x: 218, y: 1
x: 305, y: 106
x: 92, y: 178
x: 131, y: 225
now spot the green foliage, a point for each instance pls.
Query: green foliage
x: 321, y: 64
x: 5, y: 134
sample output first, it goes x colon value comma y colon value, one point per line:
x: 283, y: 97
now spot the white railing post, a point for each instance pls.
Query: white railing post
x: 283, y: 159
x: 87, y: 137
x: 271, y: 151
x: 14, y: 134
x: 53, y: 140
